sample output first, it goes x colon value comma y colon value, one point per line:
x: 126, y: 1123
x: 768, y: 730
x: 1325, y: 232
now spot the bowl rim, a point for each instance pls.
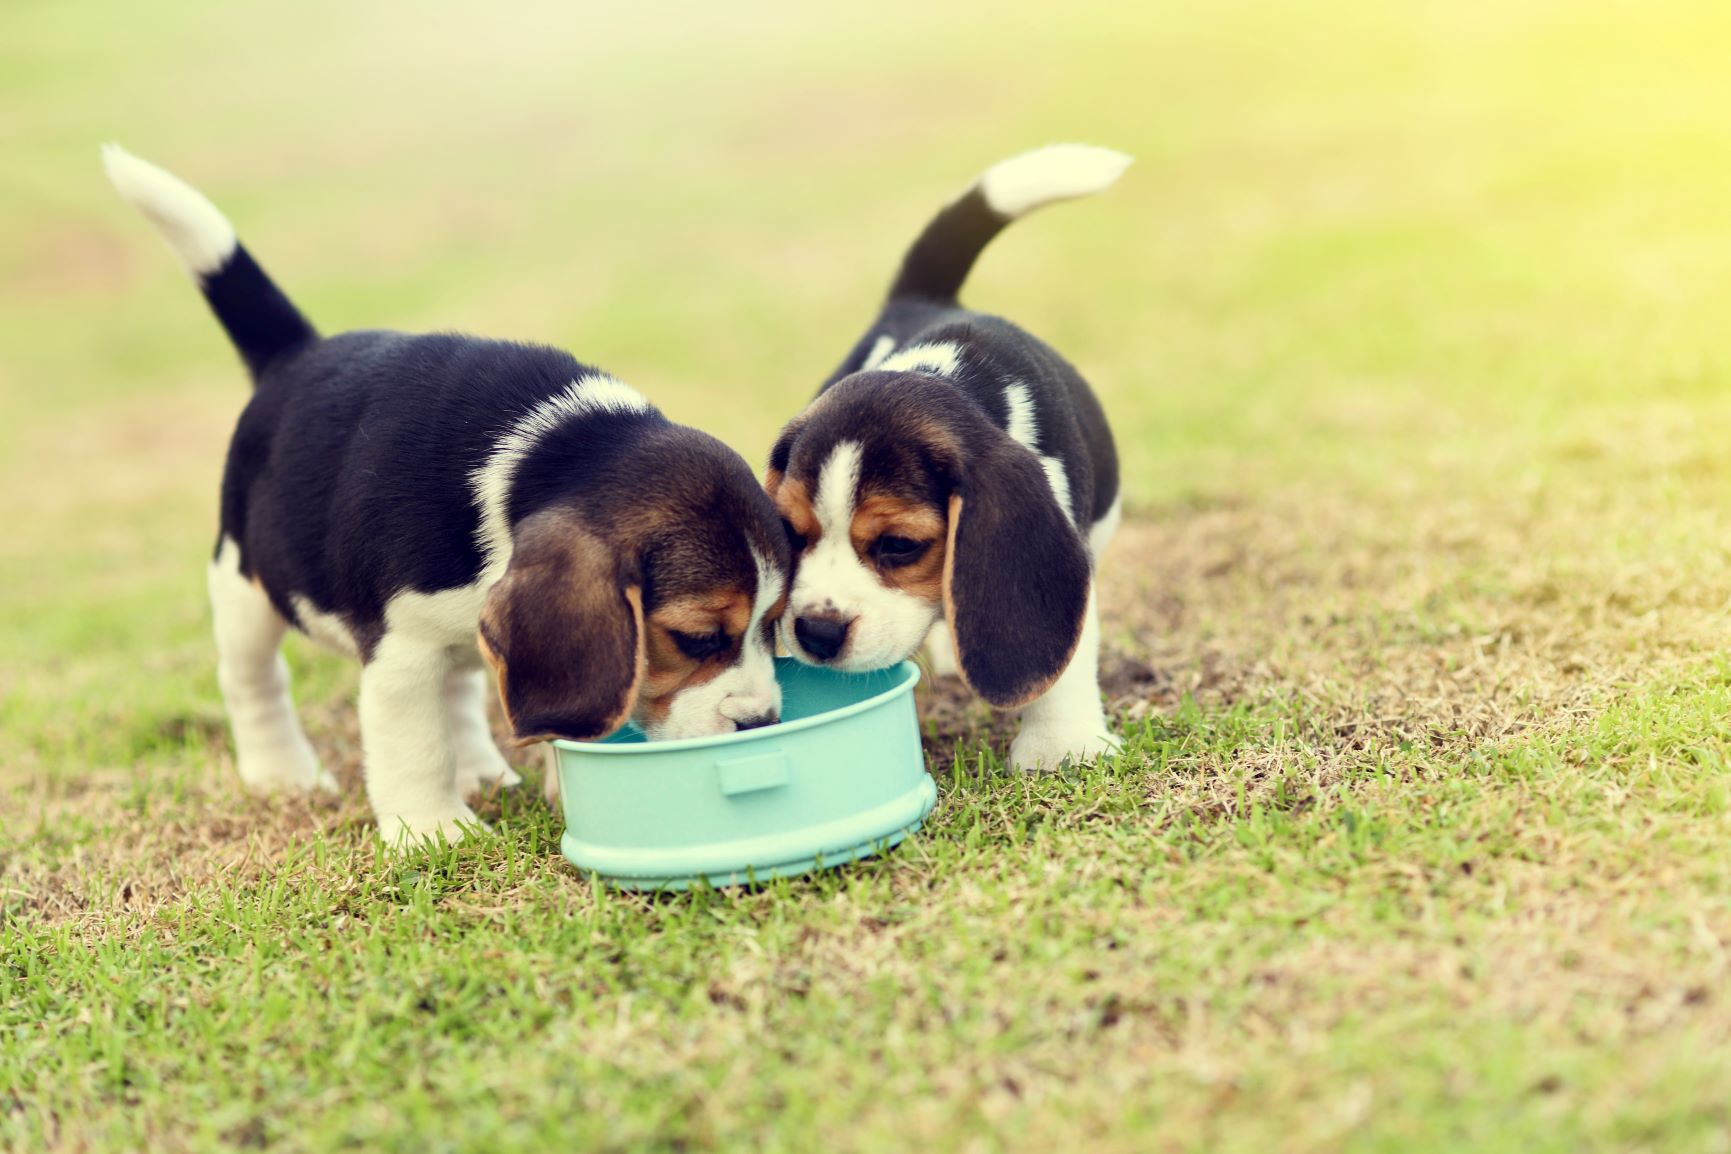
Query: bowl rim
x: 910, y: 677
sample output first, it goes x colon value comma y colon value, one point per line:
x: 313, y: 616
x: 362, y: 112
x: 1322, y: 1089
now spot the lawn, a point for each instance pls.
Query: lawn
x: 1412, y: 320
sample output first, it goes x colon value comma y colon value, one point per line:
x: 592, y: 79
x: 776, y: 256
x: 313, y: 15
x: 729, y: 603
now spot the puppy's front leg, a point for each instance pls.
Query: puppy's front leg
x: 411, y: 768
x: 479, y: 762
x: 1068, y: 720
x: 941, y: 651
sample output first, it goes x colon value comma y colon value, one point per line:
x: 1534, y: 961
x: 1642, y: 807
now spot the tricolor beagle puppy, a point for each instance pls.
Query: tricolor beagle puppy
x: 427, y: 503
x: 954, y: 465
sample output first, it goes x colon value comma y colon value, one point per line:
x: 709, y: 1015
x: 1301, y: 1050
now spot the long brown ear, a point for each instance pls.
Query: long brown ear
x: 1015, y: 578
x: 563, y: 629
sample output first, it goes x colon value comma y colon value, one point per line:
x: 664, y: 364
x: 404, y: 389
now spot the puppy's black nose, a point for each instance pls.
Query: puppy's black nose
x: 822, y: 637
x: 758, y: 721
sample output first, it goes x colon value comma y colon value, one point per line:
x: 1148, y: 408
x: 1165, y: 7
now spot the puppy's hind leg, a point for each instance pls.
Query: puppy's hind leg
x: 271, y: 750
x: 479, y: 762
x: 411, y: 767
x: 1067, y: 721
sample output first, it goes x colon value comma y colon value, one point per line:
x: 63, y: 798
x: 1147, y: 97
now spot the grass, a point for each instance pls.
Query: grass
x: 1410, y: 319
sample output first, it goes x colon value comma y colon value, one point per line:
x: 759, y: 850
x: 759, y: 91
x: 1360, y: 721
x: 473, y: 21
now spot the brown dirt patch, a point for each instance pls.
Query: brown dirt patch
x: 1436, y: 626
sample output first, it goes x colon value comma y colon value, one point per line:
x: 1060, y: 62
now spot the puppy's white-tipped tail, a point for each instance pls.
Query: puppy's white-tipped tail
x: 1022, y: 183
x: 259, y: 319
x: 193, y: 227
x: 940, y: 259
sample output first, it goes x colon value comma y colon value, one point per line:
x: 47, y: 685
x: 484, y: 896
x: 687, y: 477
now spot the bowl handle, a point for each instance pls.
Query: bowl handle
x: 752, y: 773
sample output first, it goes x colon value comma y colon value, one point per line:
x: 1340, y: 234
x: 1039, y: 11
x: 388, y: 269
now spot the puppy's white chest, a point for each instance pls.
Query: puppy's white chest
x: 446, y: 618
x: 327, y: 629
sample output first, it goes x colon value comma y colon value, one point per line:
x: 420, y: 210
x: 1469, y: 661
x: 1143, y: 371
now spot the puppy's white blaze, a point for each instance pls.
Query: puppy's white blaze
x: 758, y: 692
x: 881, y: 348
x: 491, y: 483
x: 837, y: 482
x: 1022, y: 183
x: 887, y: 624
x: 194, y: 228
x: 747, y: 689
x: 941, y: 359
x: 1021, y: 428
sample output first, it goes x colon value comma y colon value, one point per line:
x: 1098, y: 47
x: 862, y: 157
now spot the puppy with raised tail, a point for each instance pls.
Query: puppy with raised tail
x: 955, y: 466
x: 435, y: 504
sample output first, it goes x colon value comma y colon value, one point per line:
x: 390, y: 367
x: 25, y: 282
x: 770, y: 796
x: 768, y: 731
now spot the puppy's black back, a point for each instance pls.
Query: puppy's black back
x: 350, y: 474
x: 1069, y: 422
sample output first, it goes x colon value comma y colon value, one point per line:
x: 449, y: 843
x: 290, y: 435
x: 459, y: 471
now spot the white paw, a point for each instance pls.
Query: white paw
x: 550, y: 780
x: 941, y: 652
x: 481, y: 769
x: 292, y: 770
x: 1036, y: 748
x: 405, y: 829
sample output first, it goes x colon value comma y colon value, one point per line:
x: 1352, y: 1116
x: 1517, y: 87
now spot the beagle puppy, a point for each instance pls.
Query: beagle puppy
x: 434, y: 504
x: 955, y: 466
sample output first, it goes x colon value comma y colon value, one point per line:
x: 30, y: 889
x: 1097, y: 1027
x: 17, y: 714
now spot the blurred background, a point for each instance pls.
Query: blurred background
x: 1373, y: 257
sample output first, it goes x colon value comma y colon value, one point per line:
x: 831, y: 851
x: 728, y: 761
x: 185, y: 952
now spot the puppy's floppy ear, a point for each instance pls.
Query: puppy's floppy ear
x: 563, y: 629
x: 1015, y: 577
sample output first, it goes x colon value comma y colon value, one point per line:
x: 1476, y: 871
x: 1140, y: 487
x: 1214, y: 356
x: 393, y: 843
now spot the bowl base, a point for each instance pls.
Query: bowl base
x: 753, y: 875
x: 758, y: 859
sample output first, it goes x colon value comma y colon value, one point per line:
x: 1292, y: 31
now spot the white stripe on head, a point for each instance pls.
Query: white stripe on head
x: 491, y: 483
x: 1022, y: 183
x: 194, y: 228
x: 743, y: 691
x: 885, y: 624
x: 837, y: 484
x: 881, y: 348
x: 940, y: 359
x: 750, y: 689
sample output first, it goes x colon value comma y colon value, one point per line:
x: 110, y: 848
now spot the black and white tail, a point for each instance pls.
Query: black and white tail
x: 256, y: 315
x: 941, y: 258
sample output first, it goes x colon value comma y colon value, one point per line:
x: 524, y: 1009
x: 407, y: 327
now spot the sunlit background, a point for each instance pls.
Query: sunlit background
x: 1414, y: 322
x: 1383, y: 252
x: 1397, y: 247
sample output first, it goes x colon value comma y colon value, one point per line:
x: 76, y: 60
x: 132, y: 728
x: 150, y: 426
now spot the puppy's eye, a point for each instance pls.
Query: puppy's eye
x: 698, y: 646
x: 797, y: 540
x: 892, y: 552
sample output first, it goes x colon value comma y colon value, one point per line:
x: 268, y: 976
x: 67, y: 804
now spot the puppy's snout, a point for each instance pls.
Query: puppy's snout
x: 756, y: 721
x: 822, y: 637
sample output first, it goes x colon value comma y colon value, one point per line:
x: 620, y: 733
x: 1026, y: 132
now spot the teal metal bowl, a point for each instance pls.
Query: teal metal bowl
x: 840, y: 777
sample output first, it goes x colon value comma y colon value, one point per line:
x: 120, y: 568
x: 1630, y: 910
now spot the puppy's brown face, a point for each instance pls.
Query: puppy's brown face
x: 865, y: 504
x: 709, y: 643
x: 656, y: 602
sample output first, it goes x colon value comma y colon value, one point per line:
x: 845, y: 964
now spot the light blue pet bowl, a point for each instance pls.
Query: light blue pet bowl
x: 840, y: 777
